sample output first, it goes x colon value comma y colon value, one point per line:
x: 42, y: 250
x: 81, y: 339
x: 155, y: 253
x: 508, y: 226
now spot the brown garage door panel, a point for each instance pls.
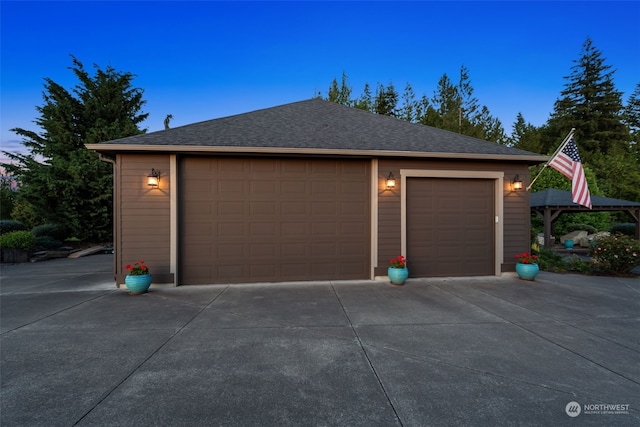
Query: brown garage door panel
x: 273, y: 220
x: 450, y: 227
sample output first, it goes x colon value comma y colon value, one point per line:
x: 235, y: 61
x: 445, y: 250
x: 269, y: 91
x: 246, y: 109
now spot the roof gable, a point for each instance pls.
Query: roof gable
x: 315, y: 124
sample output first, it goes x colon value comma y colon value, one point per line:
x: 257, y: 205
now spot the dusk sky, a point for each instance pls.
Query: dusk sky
x: 202, y: 60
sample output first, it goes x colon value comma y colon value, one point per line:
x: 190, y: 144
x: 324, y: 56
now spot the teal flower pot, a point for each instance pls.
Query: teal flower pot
x: 527, y: 271
x: 397, y: 276
x: 568, y: 244
x: 138, y: 284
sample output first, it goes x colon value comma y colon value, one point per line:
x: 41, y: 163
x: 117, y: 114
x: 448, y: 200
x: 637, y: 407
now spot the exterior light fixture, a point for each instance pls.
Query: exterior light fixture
x: 153, y: 179
x: 391, y: 181
x: 517, y: 184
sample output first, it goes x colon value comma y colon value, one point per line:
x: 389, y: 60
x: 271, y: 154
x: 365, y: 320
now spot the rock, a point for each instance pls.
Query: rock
x: 576, y: 236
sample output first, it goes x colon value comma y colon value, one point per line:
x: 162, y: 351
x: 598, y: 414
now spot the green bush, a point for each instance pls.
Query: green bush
x: 548, y: 260
x: 47, y: 243
x: 56, y: 231
x: 9, y: 225
x: 23, y: 240
x: 628, y: 229
x: 615, y: 254
x: 577, y: 264
x: 577, y: 227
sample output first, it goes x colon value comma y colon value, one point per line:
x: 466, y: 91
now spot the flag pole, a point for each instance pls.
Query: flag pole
x: 564, y: 143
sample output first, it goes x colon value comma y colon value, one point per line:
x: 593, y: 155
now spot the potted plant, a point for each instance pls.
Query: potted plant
x: 139, y: 279
x: 527, y: 266
x: 398, y: 271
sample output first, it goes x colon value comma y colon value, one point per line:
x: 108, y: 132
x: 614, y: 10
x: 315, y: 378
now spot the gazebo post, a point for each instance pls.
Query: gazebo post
x: 547, y: 227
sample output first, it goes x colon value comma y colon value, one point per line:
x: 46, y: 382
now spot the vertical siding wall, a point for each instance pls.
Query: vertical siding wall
x: 142, y: 216
x: 516, y: 219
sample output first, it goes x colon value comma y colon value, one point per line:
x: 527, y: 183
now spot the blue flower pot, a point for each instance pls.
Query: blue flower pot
x: 397, y: 276
x: 568, y: 244
x: 527, y: 271
x: 138, y: 284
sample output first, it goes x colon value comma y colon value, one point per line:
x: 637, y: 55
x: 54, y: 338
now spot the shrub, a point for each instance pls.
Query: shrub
x: 23, y: 240
x: 550, y: 261
x: 45, y: 243
x: 615, y: 254
x: 577, y: 227
x: 9, y: 225
x: 577, y: 264
x: 56, y: 231
x: 628, y: 229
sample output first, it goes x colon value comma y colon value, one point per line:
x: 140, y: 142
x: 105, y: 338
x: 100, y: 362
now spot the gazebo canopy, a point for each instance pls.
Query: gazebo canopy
x: 551, y: 203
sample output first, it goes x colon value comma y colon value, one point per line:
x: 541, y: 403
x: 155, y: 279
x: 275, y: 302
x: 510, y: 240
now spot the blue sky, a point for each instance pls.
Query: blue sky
x: 202, y: 60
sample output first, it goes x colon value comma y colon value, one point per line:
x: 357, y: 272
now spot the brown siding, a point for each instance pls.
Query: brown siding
x: 143, y: 216
x: 516, y: 220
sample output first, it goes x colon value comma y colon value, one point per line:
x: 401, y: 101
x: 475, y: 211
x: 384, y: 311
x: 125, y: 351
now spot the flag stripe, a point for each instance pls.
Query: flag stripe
x: 568, y: 163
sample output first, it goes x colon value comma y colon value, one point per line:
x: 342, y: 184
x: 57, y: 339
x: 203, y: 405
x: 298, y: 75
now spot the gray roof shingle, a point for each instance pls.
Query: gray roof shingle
x: 317, y: 124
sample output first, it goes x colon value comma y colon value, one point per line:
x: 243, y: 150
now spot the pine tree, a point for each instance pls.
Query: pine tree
x: 60, y: 180
x: 525, y: 136
x: 364, y: 102
x: 340, y: 94
x: 632, y: 120
x: 386, y: 100
x: 591, y: 104
x: 409, y: 109
x: 446, y: 104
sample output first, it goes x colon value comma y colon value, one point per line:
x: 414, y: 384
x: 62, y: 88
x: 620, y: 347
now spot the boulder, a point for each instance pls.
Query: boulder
x: 576, y: 236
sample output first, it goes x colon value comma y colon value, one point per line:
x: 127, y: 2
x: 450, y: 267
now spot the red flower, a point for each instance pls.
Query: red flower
x: 398, y: 262
x: 526, y: 258
x: 138, y: 269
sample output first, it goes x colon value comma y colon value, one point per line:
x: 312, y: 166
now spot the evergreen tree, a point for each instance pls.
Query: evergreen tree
x: 386, y: 100
x: 409, y: 109
x: 591, y: 104
x: 632, y: 120
x: 446, y: 104
x: 71, y: 186
x: 525, y: 136
x: 364, y: 102
x: 340, y: 94
x: 468, y: 104
x: 488, y: 127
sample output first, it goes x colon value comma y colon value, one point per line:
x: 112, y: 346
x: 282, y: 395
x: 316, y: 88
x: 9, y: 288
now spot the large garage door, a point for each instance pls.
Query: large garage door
x: 265, y: 220
x: 450, y: 227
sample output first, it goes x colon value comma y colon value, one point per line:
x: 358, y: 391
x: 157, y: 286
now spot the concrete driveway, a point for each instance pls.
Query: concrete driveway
x: 435, y: 352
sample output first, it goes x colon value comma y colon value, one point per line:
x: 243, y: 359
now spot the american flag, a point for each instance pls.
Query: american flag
x: 568, y: 163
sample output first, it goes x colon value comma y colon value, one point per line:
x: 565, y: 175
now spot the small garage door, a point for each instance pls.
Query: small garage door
x: 267, y: 220
x: 450, y: 227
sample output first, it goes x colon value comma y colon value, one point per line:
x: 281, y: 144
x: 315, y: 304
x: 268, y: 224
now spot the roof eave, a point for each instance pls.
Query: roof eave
x: 131, y: 148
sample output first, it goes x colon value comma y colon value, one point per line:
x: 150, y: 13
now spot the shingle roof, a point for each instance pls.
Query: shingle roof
x: 317, y: 124
x: 555, y: 198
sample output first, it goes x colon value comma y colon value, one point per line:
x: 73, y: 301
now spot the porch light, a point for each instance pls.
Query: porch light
x: 517, y: 183
x: 391, y: 181
x: 153, y: 179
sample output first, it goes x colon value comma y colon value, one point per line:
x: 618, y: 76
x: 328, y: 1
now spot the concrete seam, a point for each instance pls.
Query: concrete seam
x: 366, y: 356
x: 153, y: 353
x: 542, y: 337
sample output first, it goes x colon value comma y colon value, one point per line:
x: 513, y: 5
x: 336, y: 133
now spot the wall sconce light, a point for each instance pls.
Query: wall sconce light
x: 153, y: 179
x: 517, y: 184
x: 391, y: 181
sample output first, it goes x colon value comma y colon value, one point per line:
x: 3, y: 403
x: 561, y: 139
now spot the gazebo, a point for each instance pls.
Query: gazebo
x: 551, y: 203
